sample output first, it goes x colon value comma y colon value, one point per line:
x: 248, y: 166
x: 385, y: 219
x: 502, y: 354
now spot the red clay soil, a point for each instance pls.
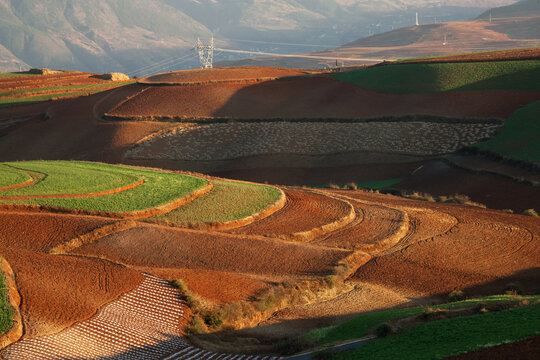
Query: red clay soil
x: 527, y: 349
x: 316, y: 97
x: 515, y: 54
x: 42, y: 232
x: 303, y: 211
x: 74, y: 133
x: 39, y: 81
x: 222, y: 74
x: 200, y: 250
x: 217, y: 286
x: 482, y: 251
x: 373, y: 224
x: 58, y: 290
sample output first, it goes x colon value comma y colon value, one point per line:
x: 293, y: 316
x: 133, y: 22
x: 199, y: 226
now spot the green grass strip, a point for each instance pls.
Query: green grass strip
x: 361, y: 325
x: 158, y: 188
x: 228, y: 201
x: 16, y: 74
x: 71, y: 87
x: 15, y: 101
x: 10, y: 176
x: 6, y: 311
x: 64, y: 177
x: 440, y: 339
x: 519, y: 137
x: 418, y: 78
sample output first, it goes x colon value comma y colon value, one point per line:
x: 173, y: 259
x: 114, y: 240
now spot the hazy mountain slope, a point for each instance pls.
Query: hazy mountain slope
x: 92, y: 34
x: 524, y: 8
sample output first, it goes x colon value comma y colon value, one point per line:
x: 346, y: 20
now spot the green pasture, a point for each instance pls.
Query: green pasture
x: 519, y: 137
x: 6, y: 311
x: 16, y: 74
x: 71, y: 87
x: 15, y: 101
x: 443, y: 338
x: 228, y: 201
x: 360, y: 326
x: 10, y: 176
x: 418, y: 78
x: 70, y: 177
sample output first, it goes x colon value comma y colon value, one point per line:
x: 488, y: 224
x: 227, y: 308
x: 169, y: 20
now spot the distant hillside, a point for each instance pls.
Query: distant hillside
x: 524, y: 8
x: 91, y: 35
x: 508, y: 29
x: 125, y: 35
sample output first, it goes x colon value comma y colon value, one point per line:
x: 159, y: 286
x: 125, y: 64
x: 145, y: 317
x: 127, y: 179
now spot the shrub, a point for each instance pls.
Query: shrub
x: 351, y: 186
x: 383, y: 330
x: 334, y: 186
x: 292, y: 346
x: 456, y: 295
x: 179, y: 284
x: 530, y: 212
x: 508, y: 211
x: 212, y: 318
x: 512, y: 289
x: 266, y: 301
x: 325, y: 354
x: 196, y: 326
x: 331, y: 281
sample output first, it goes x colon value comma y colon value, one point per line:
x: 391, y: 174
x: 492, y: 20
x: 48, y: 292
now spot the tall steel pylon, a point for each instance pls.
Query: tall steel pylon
x: 206, y: 53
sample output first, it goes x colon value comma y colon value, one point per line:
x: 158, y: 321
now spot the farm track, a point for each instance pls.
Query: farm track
x: 305, y: 216
x: 141, y: 324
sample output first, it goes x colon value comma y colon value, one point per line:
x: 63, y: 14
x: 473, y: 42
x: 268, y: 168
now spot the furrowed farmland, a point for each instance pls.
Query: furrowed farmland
x: 256, y: 213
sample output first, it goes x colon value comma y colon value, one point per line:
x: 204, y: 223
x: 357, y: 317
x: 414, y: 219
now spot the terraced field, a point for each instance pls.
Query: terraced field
x: 98, y: 187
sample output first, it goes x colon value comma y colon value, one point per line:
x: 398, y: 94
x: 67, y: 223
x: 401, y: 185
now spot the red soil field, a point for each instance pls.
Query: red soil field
x: 58, y: 290
x: 527, y: 349
x: 373, y: 224
x: 483, y: 247
x: 216, y: 251
x: 228, y: 287
x: 221, y: 74
x: 303, y: 211
x: 316, y: 97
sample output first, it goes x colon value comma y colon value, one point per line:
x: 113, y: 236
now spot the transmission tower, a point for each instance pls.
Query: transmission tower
x: 206, y: 53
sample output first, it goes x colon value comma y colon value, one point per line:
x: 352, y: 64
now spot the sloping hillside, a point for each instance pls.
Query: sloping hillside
x: 91, y: 35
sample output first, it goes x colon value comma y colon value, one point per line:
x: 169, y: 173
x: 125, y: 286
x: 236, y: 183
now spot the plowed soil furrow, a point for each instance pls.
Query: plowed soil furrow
x: 117, y: 331
x: 456, y: 247
x: 377, y: 224
x: 212, y: 251
x: 303, y: 211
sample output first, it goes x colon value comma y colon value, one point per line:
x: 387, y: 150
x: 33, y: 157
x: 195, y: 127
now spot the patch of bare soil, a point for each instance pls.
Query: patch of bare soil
x: 221, y: 74
x: 303, y: 211
x: 206, y: 250
x: 317, y: 97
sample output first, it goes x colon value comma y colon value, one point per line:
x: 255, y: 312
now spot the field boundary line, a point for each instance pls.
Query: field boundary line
x: 16, y: 331
x: 137, y: 214
x: 76, y: 196
x: 309, y: 235
x: 233, y: 224
x: 92, y: 236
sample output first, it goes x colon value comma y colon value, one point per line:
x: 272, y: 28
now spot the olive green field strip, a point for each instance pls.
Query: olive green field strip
x: 12, y: 178
x: 142, y: 324
x: 101, y: 188
x: 230, y: 204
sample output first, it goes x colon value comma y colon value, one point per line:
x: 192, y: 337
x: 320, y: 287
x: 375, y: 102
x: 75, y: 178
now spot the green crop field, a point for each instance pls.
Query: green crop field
x: 443, y: 338
x: 15, y: 74
x: 70, y: 177
x: 71, y: 87
x: 519, y: 137
x: 228, y: 200
x: 6, y: 311
x: 361, y: 325
x: 10, y: 176
x: 417, y: 78
x: 15, y: 101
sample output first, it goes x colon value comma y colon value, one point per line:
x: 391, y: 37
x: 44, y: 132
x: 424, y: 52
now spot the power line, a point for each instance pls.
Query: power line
x: 278, y: 43
x: 176, y: 63
x: 159, y: 64
x: 298, y: 55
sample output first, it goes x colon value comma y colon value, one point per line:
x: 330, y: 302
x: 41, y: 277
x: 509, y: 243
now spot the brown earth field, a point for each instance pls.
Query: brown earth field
x: 527, y: 349
x: 302, y: 212
x: 315, y: 97
x: 58, y: 290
